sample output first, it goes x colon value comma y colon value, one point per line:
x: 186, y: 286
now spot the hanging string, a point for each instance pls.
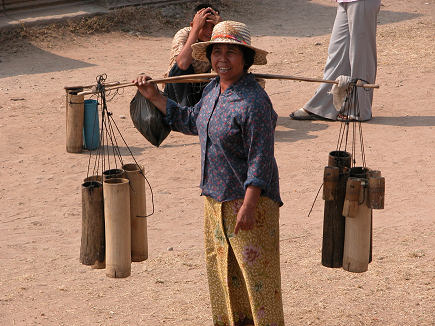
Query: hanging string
x: 108, y: 137
x: 350, y: 116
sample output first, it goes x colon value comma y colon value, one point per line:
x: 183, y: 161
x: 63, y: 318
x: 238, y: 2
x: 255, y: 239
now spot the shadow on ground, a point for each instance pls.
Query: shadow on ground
x: 407, y: 121
x: 272, y: 18
x: 292, y: 18
x: 297, y: 130
x: 41, y: 62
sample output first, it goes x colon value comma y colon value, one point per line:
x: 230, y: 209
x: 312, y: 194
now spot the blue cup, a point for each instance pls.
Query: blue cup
x: 91, y: 129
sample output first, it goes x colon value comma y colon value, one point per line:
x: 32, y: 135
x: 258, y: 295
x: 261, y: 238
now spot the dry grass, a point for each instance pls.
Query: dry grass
x: 145, y: 20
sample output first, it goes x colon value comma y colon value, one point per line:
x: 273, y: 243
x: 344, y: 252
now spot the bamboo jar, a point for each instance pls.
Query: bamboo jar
x: 139, y: 240
x: 75, y: 111
x: 118, y: 230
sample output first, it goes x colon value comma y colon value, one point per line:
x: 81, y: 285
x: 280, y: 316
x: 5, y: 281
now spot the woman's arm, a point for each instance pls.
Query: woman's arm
x: 246, y: 215
x: 180, y: 118
x: 258, y: 135
x: 184, y: 58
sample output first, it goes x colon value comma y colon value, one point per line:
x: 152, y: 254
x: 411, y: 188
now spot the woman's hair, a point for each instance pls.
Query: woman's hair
x: 248, y: 55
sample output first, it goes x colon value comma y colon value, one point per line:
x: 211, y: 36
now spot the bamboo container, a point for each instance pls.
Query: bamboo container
x: 139, y: 240
x: 113, y: 174
x: 118, y: 230
x: 351, y: 201
x: 97, y: 178
x: 92, y: 248
x: 99, y: 264
x: 330, y: 182
x: 357, y: 239
x: 333, y: 220
x: 373, y: 174
x: 376, y: 190
x: 74, y: 121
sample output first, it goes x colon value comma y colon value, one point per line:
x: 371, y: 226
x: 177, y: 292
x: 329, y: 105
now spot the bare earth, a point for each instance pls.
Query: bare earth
x: 41, y: 279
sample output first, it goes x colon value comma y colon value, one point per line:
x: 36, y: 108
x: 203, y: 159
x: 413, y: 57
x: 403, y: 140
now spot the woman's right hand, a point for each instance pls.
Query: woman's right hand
x: 151, y: 92
x: 147, y: 89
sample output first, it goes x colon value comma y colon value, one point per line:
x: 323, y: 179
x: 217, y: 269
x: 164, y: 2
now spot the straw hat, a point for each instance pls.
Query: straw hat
x: 229, y: 32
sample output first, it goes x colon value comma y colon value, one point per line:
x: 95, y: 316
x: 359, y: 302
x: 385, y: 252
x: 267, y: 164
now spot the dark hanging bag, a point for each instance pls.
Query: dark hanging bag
x: 148, y: 120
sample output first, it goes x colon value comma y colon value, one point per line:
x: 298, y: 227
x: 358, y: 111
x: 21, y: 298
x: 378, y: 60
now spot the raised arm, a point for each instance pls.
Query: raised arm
x: 184, y: 58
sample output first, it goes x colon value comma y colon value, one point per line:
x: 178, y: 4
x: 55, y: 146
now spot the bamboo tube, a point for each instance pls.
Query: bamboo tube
x: 139, y: 240
x: 364, y: 172
x: 376, y: 192
x: 97, y: 178
x: 356, y: 253
x: 359, y: 172
x: 118, y: 230
x: 373, y: 174
x: 330, y: 182
x: 113, y: 173
x: 92, y: 247
x: 74, y: 122
x: 351, y: 200
x: 333, y: 220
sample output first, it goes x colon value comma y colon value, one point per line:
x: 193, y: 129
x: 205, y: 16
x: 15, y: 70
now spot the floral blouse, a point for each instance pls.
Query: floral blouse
x: 236, y: 132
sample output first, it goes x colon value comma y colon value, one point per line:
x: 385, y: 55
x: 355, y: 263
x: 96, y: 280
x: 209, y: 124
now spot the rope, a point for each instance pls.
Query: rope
x: 350, y: 115
x: 108, y: 137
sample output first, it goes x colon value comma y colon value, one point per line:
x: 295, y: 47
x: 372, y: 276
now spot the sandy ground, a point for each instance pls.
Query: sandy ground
x: 41, y: 279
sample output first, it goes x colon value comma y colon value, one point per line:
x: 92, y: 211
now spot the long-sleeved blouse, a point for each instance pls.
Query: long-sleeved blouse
x: 236, y: 133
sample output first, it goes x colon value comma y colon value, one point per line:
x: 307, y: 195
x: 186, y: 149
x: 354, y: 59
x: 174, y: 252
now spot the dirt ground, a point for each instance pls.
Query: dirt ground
x: 41, y: 279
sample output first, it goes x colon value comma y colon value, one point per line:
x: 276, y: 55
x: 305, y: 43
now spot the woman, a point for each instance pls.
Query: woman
x: 235, y: 122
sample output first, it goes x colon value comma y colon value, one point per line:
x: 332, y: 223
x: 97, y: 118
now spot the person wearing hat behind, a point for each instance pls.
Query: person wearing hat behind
x: 182, y: 62
x: 235, y: 122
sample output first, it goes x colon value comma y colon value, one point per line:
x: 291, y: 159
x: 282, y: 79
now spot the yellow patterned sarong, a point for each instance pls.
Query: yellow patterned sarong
x: 243, y: 270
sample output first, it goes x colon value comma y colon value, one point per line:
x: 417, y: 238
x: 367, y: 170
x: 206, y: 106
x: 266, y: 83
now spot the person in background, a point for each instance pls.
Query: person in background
x: 182, y: 62
x: 351, y: 52
x: 235, y: 122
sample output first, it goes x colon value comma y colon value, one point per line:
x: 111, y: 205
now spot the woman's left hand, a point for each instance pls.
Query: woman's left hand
x: 245, y: 218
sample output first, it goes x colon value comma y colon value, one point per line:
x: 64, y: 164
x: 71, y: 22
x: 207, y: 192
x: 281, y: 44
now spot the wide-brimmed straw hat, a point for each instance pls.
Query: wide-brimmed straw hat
x: 229, y: 32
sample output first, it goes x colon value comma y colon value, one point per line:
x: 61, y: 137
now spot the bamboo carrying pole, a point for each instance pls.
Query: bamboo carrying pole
x: 92, y: 248
x: 74, y: 122
x: 333, y: 221
x: 139, y: 240
x: 200, y: 78
x: 357, y: 240
x: 118, y: 230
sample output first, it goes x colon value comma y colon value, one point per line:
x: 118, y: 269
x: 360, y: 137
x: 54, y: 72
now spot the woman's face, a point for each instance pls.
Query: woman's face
x: 228, y: 62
